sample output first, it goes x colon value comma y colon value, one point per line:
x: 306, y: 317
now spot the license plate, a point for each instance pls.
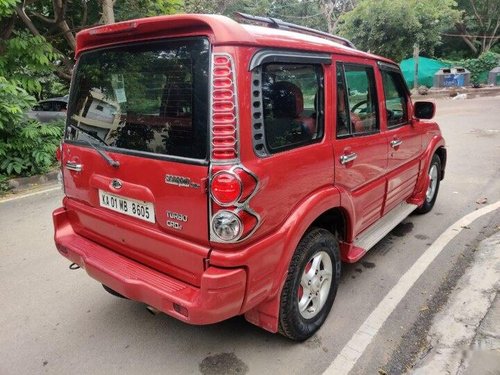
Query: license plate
x: 131, y: 207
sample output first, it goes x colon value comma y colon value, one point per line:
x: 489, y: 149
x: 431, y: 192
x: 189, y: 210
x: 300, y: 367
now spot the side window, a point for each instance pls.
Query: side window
x: 292, y: 98
x: 45, y: 106
x: 396, y: 100
x: 357, y: 109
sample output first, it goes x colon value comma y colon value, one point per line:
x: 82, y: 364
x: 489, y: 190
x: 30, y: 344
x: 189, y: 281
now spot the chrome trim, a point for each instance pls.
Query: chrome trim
x: 116, y: 184
x: 344, y: 159
x: 72, y: 166
x: 396, y: 143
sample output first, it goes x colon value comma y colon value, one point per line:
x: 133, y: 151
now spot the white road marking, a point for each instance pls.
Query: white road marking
x: 58, y: 187
x: 354, y: 349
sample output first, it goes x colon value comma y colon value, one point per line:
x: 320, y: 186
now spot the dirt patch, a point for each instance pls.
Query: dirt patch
x: 223, y: 364
x: 402, y: 229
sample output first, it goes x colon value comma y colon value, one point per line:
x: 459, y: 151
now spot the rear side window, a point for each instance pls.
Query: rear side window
x: 396, y: 101
x: 147, y: 98
x: 292, y: 98
x: 357, y: 109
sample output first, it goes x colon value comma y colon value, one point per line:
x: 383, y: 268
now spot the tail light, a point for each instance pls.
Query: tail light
x: 226, y: 188
x: 231, y: 189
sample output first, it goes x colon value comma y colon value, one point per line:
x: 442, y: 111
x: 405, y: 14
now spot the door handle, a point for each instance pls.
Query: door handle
x: 74, y: 166
x: 396, y: 143
x: 346, y: 158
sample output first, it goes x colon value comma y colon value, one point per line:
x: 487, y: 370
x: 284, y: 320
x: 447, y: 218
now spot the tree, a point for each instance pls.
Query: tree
x: 479, y: 26
x: 333, y: 9
x: 392, y: 27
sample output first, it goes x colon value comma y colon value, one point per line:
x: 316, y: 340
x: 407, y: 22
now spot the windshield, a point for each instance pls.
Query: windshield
x: 151, y: 98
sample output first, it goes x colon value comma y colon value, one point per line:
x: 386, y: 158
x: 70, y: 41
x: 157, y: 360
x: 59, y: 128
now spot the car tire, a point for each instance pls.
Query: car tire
x: 432, y: 190
x: 113, y: 292
x: 311, y: 285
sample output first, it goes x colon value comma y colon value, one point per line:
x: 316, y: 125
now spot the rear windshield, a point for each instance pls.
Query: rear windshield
x: 148, y: 97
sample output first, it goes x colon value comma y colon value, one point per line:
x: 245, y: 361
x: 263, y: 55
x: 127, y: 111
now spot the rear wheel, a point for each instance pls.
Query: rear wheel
x: 433, y: 188
x: 311, y: 285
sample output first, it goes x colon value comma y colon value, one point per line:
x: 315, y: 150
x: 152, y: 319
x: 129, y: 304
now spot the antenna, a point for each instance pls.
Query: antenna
x: 276, y: 23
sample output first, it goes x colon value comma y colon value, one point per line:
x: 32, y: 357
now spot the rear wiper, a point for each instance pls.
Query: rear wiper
x: 109, y: 160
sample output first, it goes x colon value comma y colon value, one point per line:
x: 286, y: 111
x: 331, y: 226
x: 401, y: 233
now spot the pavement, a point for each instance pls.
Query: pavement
x: 464, y: 337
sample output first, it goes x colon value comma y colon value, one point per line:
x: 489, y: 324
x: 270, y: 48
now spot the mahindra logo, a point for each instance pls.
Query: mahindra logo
x: 116, y: 184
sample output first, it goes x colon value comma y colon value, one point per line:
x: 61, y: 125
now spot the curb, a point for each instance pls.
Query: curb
x: 16, y: 185
x: 446, y: 93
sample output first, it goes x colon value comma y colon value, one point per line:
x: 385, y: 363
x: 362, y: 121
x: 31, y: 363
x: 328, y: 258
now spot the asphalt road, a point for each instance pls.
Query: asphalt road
x: 57, y: 321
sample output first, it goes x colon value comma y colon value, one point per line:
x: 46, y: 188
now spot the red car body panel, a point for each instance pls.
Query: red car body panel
x: 160, y: 265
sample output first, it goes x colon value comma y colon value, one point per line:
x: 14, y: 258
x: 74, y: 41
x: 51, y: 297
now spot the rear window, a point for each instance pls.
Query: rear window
x: 143, y: 98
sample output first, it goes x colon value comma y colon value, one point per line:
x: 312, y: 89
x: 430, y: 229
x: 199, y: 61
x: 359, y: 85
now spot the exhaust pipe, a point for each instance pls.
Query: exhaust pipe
x: 153, y: 310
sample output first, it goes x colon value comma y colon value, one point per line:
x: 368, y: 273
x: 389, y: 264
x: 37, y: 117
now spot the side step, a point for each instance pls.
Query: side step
x: 369, y: 238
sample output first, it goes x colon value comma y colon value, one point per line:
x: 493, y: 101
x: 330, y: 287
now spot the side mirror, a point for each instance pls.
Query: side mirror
x: 424, y: 110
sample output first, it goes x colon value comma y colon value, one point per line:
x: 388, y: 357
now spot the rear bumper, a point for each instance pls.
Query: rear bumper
x: 219, y: 297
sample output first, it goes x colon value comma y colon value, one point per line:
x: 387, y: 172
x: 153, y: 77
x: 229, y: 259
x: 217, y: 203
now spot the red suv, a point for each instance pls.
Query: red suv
x: 214, y: 169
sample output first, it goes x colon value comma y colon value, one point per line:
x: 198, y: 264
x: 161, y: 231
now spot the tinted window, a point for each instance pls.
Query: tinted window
x: 357, y: 93
x: 151, y: 97
x: 292, y: 98
x: 395, y: 98
x: 343, y: 116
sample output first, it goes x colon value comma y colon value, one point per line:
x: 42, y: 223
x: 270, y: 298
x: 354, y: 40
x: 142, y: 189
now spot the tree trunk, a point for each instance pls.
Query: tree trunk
x: 416, y: 52
x: 108, y: 13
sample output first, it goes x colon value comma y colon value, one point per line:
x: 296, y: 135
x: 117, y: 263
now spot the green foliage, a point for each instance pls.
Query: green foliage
x: 391, y: 27
x: 26, y: 59
x: 130, y: 9
x: 479, y: 67
x: 4, y: 186
x: 7, y: 7
x: 31, y: 149
x: 14, y: 101
x: 26, y: 147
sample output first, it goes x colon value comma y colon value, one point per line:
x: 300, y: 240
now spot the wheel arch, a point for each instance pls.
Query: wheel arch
x: 441, y: 152
x: 322, y: 210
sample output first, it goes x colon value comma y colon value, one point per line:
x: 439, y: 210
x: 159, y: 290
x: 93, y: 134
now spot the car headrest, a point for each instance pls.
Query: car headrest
x: 287, y: 99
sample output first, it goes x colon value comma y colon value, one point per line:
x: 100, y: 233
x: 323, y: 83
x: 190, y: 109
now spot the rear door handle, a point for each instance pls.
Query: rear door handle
x: 396, y: 143
x: 74, y: 166
x: 346, y: 158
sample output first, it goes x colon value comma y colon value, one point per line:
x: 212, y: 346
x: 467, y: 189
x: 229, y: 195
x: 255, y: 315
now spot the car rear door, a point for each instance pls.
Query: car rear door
x: 402, y: 137
x: 135, y: 156
x: 360, y: 149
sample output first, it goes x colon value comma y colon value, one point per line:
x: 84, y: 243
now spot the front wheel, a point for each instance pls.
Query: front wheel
x: 433, y: 188
x: 311, y: 285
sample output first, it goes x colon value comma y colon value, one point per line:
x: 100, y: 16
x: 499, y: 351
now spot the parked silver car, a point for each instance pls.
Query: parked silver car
x: 50, y: 109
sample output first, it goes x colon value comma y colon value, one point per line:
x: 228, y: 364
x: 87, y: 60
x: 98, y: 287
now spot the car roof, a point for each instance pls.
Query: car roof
x: 220, y: 29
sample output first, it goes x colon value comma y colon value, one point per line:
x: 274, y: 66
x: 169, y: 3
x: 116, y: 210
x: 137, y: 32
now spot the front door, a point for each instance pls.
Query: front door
x: 404, y: 139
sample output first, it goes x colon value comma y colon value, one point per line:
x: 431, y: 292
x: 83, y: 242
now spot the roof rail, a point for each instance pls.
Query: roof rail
x: 280, y: 24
